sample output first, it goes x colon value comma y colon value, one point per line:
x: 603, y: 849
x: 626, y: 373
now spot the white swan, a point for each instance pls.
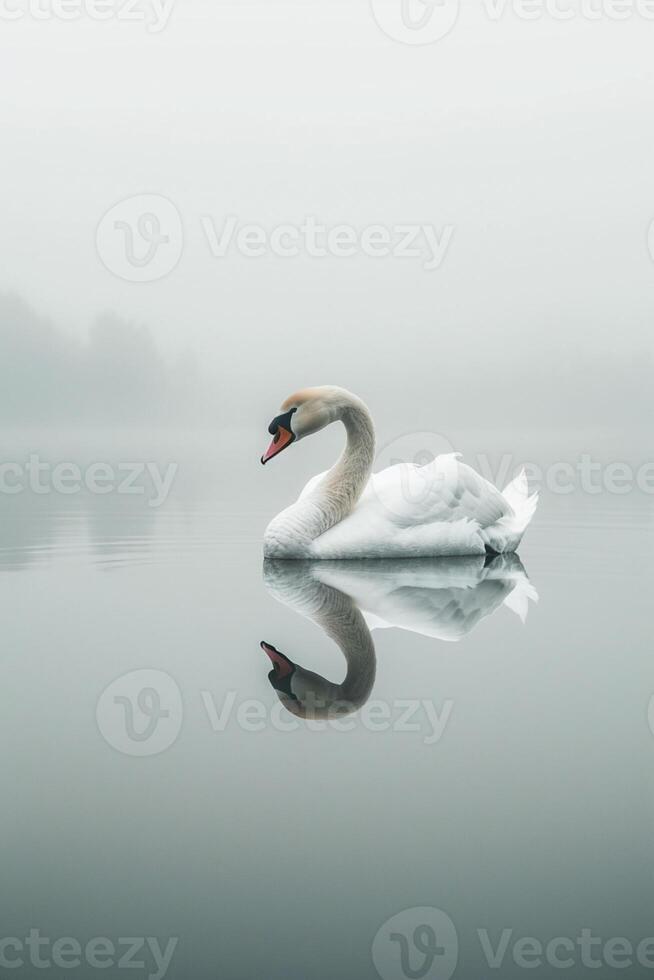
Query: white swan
x: 348, y: 512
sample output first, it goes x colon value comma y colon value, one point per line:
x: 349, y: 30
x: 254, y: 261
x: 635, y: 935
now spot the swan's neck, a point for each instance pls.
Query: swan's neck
x: 293, y: 531
x: 345, y: 482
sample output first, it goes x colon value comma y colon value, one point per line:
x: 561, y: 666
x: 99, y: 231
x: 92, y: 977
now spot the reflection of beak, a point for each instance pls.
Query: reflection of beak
x: 281, y: 664
x: 282, y: 438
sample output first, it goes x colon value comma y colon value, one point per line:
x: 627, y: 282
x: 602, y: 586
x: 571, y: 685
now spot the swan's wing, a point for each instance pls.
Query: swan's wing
x: 444, y: 491
x: 439, y: 509
x: 406, y: 510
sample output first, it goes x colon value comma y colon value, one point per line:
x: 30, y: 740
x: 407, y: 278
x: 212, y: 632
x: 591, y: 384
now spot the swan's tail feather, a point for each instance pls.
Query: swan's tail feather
x: 517, y: 489
x: 508, y: 568
x: 518, y: 599
x: 506, y: 534
x: 522, y: 503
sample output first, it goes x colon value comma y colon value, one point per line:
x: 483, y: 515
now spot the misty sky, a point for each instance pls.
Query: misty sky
x: 532, y: 140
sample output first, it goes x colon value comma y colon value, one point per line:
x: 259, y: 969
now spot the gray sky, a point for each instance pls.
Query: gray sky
x: 531, y: 140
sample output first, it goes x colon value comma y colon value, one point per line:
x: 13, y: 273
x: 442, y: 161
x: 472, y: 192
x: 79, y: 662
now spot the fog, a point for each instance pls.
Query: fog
x: 529, y: 139
x: 113, y: 372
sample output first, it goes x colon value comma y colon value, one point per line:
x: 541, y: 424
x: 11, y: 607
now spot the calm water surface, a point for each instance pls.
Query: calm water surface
x: 190, y: 802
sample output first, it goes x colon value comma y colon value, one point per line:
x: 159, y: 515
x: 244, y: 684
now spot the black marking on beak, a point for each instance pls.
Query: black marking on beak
x: 283, y: 421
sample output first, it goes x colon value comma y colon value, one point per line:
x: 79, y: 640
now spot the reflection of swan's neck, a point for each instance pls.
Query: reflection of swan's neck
x: 343, y: 623
x: 339, y: 617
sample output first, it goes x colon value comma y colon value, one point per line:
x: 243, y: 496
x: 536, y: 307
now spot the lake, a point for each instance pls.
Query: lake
x: 481, y: 787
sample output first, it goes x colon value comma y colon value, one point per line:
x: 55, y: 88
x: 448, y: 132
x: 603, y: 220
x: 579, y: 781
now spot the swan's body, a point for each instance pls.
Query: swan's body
x: 442, y: 509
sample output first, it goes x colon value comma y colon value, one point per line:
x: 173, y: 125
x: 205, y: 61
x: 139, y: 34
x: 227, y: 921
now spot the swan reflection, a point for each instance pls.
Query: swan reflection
x: 444, y: 598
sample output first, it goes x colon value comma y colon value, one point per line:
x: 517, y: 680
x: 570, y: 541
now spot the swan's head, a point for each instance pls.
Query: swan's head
x: 304, y: 413
x: 304, y: 693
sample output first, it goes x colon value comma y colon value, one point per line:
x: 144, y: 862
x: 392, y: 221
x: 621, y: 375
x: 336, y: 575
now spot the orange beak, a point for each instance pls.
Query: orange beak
x: 281, y: 664
x: 281, y: 440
